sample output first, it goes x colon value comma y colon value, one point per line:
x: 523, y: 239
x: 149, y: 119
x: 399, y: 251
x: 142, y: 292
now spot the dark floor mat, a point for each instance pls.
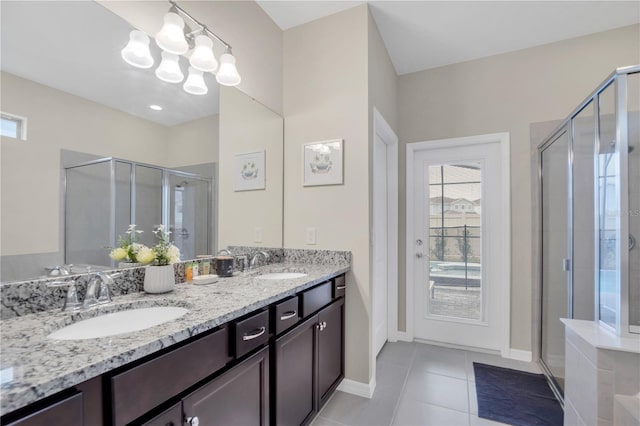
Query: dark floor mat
x: 515, y: 397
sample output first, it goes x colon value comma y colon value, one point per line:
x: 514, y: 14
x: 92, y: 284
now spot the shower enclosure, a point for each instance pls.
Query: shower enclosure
x: 590, y: 218
x: 104, y: 196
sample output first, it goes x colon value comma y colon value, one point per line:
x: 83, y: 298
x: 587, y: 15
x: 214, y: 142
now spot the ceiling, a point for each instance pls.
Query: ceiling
x: 74, y: 46
x: 421, y: 35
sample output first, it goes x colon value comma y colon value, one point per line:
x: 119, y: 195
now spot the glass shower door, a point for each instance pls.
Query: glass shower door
x: 633, y: 117
x: 555, y: 253
x: 188, y: 214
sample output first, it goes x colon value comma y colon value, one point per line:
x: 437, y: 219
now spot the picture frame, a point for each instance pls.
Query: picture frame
x: 249, y: 171
x: 323, y: 163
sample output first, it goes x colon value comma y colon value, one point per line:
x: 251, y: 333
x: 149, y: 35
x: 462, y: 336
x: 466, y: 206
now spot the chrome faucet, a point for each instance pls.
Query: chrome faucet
x: 98, y: 296
x: 59, y: 270
x: 254, y: 259
x: 71, y: 301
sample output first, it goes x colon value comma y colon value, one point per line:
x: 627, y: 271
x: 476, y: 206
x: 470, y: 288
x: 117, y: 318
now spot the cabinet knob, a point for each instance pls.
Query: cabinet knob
x: 193, y: 421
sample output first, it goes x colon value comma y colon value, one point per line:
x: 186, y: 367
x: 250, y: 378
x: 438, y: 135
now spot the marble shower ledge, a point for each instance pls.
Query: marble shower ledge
x: 601, y: 338
x: 34, y: 367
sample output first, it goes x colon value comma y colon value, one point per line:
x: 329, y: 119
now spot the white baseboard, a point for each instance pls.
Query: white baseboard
x: 358, y: 388
x: 402, y: 336
x: 518, y: 355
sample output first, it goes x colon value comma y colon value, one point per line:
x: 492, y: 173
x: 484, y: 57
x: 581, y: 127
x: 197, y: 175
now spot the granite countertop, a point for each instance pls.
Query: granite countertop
x: 33, y: 367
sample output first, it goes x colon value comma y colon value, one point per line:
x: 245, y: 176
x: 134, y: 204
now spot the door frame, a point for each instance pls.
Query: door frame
x: 504, y: 286
x: 386, y: 134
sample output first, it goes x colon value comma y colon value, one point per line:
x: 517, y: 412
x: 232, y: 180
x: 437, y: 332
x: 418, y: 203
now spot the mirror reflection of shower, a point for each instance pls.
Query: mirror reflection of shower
x: 121, y: 192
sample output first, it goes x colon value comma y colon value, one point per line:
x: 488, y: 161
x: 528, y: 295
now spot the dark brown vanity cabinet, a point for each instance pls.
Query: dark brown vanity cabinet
x: 295, y: 375
x: 239, y: 397
x: 330, y: 349
x: 277, y: 365
x: 309, y: 364
x: 67, y: 411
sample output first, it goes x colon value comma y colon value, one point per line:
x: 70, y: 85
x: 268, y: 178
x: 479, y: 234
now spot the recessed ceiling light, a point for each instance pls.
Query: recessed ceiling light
x: 155, y: 107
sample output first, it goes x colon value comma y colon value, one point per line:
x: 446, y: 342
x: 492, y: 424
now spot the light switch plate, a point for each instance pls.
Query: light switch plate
x: 257, y: 235
x: 311, y: 235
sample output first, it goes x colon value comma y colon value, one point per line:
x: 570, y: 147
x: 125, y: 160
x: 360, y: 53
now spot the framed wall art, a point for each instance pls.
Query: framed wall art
x: 323, y: 163
x: 249, y: 171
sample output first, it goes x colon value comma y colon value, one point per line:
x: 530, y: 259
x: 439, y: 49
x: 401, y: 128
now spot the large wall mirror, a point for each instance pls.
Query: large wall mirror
x: 98, y: 155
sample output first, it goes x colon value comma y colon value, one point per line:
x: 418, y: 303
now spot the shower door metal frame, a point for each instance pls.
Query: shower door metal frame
x: 166, y: 172
x: 567, y: 128
x: 619, y: 79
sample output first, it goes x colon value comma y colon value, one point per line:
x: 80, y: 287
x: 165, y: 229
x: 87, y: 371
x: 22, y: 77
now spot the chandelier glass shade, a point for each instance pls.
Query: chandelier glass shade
x: 169, y: 69
x: 175, y: 39
x: 137, y: 52
x: 171, y: 37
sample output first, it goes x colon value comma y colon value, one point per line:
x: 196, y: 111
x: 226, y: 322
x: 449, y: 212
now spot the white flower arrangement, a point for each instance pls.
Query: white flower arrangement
x: 130, y: 249
x: 165, y: 252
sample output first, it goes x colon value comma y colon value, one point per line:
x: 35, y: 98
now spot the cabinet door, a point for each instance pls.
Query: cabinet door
x: 330, y: 349
x: 65, y: 412
x: 170, y: 417
x: 295, y: 374
x: 238, y: 397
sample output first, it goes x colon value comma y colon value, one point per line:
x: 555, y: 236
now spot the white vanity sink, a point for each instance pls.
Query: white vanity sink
x: 281, y: 275
x: 118, y: 323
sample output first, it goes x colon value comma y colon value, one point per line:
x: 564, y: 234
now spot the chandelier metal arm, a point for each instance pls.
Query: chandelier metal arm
x: 203, y: 28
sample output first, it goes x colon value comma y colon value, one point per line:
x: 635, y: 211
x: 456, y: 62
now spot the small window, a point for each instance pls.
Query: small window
x: 13, y: 126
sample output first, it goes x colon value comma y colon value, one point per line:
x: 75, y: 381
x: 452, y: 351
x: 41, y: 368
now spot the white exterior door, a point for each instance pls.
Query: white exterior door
x: 458, y: 244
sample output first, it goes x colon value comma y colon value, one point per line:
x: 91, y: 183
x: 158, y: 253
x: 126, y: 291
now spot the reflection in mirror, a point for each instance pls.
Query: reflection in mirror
x: 119, y: 193
x: 83, y: 103
x: 249, y: 217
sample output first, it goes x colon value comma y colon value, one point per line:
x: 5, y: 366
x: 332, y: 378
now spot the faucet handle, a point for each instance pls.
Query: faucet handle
x: 245, y: 261
x: 71, y: 301
x: 103, y: 293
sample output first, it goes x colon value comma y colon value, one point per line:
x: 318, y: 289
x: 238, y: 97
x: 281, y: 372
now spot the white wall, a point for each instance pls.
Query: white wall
x: 325, y: 97
x: 502, y: 93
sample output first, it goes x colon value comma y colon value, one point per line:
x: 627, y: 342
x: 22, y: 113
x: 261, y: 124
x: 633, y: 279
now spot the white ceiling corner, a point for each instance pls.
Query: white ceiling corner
x: 421, y: 35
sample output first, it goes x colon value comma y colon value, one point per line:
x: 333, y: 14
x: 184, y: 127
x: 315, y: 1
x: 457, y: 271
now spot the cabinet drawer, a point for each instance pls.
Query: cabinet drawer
x: 136, y: 391
x: 316, y: 298
x: 251, y: 332
x: 285, y: 314
x: 339, y: 287
x: 65, y: 412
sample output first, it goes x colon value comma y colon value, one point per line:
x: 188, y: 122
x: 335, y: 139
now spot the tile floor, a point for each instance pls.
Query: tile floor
x: 417, y: 384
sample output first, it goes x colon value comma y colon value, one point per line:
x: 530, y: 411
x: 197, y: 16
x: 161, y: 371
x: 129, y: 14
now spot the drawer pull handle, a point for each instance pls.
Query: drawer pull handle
x: 341, y: 287
x: 260, y: 332
x: 287, y: 315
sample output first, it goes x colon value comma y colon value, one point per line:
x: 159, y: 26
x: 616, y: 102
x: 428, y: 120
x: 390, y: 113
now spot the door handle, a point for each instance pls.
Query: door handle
x: 419, y: 242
